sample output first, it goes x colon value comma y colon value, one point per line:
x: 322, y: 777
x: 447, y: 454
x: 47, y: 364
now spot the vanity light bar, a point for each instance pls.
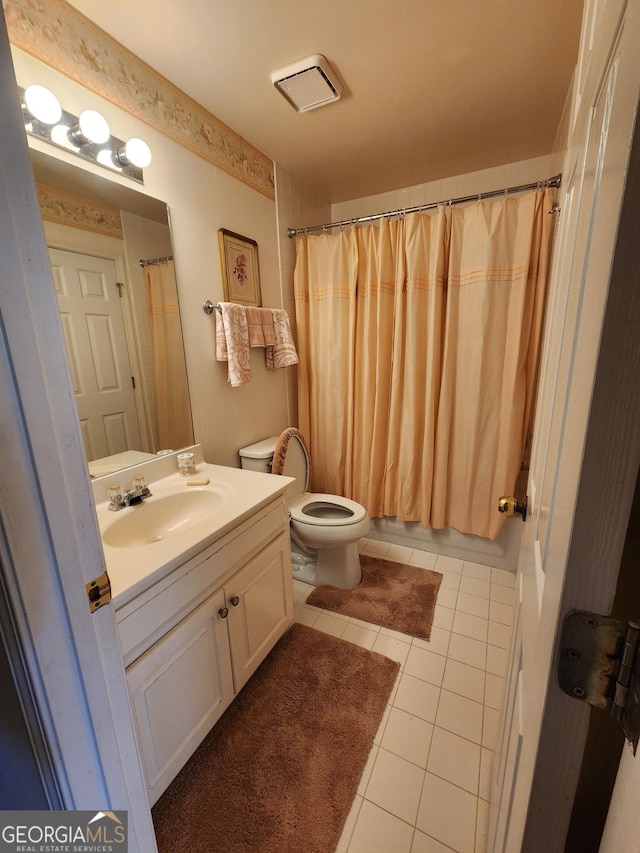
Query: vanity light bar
x: 87, y: 136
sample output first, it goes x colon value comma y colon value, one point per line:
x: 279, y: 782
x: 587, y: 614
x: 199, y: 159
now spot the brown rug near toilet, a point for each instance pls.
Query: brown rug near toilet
x: 280, y: 770
x: 393, y: 595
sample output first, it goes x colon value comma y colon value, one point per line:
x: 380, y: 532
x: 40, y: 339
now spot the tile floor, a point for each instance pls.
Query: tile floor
x: 425, y: 788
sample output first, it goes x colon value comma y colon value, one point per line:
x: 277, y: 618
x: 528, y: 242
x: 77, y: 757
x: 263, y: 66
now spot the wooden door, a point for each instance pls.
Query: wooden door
x: 594, y: 173
x: 260, y: 602
x: 179, y: 689
x: 93, y: 326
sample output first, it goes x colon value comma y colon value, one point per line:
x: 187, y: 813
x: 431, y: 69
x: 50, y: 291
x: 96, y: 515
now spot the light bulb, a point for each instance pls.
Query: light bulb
x: 94, y: 127
x: 42, y: 104
x: 136, y: 152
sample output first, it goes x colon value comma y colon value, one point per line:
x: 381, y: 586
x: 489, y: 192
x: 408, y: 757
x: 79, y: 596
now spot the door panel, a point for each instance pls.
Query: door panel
x: 593, y: 185
x: 93, y: 325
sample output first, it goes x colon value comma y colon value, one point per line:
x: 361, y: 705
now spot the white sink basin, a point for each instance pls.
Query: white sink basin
x: 158, y: 518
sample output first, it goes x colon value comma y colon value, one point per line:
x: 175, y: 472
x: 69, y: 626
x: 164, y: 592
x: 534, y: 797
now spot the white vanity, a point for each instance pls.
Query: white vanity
x: 202, y: 590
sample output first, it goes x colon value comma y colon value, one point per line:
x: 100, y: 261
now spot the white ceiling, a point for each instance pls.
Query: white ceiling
x: 432, y: 88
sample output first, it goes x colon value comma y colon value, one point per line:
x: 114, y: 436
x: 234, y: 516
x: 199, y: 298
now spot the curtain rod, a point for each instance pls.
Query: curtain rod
x: 155, y: 261
x: 550, y: 182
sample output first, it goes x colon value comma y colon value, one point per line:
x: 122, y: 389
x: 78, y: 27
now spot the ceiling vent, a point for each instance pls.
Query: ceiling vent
x: 307, y: 84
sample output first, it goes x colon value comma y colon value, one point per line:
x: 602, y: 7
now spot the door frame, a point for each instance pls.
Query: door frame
x: 608, y: 474
x: 49, y: 536
x: 68, y: 238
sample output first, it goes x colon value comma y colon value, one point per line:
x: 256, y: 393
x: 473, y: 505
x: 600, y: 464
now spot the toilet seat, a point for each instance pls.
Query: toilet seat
x: 320, y: 510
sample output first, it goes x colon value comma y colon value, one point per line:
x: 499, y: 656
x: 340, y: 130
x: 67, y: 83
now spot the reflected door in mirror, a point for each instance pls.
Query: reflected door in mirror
x: 89, y: 303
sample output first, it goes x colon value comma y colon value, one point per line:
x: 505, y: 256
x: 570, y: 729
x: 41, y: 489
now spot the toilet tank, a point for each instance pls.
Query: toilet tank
x: 259, y: 456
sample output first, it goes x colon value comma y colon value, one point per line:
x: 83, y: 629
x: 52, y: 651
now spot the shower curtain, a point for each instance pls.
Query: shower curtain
x: 174, y: 428
x: 418, y: 342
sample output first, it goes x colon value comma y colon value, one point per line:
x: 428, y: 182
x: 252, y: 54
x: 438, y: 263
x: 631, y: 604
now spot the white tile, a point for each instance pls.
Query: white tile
x: 396, y: 635
x: 443, y: 617
x: 330, y: 624
x: 482, y: 826
x: 438, y: 642
x: 424, y: 559
x: 455, y: 759
x: 305, y: 614
x: 423, y: 843
x: 493, y: 691
x: 376, y: 548
x: 476, y: 570
x: 408, y: 736
x: 368, y: 770
x: 497, y: 660
x: 461, y: 716
x: 503, y: 578
x: 417, y: 697
x: 503, y: 594
x: 426, y: 665
x: 395, y: 786
x: 447, y: 597
x: 449, y: 564
x: 502, y: 613
x: 464, y: 680
x: 470, y: 626
x: 382, y: 725
x: 475, y: 586
x: 347, y: 831
x: 486, y: 768
x: 301, y: 590
x: 473, y: 604
x: 391, y: 648
x: 377, y: 831
x: 490, y: 728
x: 448, y: 814
x: 467, y: 650
x: 499, y: 635
x: 359, y: 635
x: 450, y: 580
x: 399, y: 553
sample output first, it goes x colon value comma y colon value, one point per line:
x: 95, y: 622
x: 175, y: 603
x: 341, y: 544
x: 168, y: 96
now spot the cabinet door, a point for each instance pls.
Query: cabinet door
x: 260, y: 601
x: 179, y: 688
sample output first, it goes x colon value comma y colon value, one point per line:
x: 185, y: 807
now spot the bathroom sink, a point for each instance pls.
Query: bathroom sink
x: 159, y: 518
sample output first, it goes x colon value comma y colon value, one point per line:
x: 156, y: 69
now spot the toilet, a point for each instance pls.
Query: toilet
x: 324, y: 528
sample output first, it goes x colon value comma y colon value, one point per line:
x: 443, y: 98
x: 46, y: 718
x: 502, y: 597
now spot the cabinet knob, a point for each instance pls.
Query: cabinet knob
x: 224, y: 612
x: 235, y: 600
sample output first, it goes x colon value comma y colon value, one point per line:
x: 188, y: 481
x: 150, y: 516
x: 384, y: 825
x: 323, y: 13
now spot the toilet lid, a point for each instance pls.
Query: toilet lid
x: 291, y: 459
x: 326, y: 510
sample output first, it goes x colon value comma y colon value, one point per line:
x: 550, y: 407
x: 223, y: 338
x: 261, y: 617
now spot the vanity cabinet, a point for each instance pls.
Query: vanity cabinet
x: 192, y: 641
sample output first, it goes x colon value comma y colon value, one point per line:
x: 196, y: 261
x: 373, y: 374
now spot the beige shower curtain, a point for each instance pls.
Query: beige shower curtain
x: 418, y: 342
x: 174, y: 429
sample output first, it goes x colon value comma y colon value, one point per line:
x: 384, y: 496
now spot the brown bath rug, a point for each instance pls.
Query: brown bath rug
x: 393, y: 595
x: 280, y: 770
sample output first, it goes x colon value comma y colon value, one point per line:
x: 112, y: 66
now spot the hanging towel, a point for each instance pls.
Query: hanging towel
x: 239, y: 327
x: 232, y: 342
x: 260, y: 322
x: 283, y: 352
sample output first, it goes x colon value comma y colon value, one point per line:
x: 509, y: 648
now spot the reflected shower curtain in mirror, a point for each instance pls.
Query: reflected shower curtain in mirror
x: 418, y: 341
x: 174, y: 428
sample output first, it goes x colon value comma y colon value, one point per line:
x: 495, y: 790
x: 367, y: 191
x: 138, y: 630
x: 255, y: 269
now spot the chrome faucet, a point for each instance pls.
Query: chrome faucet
x: 120, y: 498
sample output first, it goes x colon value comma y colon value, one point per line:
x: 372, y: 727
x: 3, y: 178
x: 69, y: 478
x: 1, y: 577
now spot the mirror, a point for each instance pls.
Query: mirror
x: 111, y: 259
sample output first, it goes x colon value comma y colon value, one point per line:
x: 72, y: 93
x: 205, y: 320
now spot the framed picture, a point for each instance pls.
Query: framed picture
x: 240, y: 270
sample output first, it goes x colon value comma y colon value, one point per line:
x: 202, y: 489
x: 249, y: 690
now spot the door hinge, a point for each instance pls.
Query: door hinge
x: 99, y: 591
x: 598, y: 664
x: 119, y: 285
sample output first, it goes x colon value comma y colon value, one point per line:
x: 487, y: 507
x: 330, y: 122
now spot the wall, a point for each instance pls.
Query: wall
x: 201, y: 198
x: 297, y: 207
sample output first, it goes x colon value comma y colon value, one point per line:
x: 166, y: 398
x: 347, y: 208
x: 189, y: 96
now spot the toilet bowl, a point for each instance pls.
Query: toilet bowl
x: 324, y: 528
